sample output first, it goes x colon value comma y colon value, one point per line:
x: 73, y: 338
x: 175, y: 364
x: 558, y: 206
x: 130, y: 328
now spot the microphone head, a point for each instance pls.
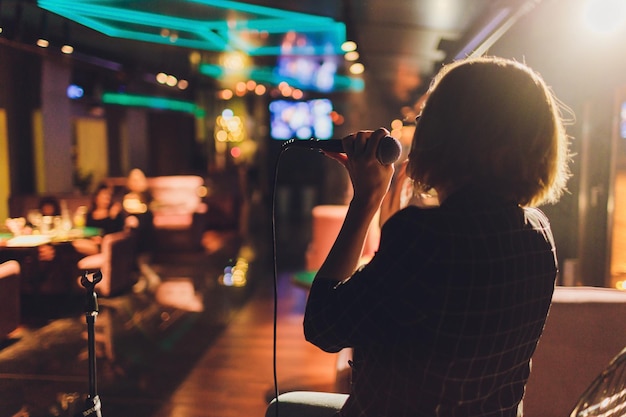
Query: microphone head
x: 389, y: 150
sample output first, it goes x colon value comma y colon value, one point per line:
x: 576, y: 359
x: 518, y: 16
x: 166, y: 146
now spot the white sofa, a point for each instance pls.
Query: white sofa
x: 9, y: 297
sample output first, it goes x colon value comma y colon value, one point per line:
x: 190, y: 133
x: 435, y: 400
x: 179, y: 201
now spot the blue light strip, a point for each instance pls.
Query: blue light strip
x: 261, y: 10
x: 218, y: 35
x: 162, y: 103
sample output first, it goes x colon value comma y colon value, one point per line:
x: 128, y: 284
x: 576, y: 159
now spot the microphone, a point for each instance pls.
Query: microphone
x: 388, y: 151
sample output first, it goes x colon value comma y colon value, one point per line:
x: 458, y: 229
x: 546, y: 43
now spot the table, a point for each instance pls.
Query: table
x: 55, y: 276
x: 34, y: 240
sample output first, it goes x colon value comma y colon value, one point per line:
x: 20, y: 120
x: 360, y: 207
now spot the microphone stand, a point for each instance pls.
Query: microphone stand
x: 92, y: 402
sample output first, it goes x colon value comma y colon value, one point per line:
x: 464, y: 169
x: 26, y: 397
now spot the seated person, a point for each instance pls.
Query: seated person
x: 136, y: 205
x: 103, y: 214
x: 49, y: 206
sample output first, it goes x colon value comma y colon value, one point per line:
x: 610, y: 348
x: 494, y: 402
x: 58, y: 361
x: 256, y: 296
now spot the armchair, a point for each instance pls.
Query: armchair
x: 9, y: 297
x: 116, y: 261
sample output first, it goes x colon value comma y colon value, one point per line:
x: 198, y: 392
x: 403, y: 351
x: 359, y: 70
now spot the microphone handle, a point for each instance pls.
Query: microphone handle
x: 328, y: 145
x: 388, y: 152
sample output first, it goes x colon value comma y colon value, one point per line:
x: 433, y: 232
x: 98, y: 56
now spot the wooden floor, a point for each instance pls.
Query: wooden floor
x: 234, y: 378
x: 165, y: 361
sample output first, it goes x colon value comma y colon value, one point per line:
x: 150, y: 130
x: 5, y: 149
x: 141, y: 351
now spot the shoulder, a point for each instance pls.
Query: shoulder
x: 411, y: 225
x: 414, y: 216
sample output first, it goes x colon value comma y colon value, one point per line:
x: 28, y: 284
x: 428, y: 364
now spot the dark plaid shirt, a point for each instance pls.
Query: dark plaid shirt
x: 446, y: 316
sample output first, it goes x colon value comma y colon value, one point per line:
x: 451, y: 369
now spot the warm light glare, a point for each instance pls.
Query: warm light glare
x: 42, y: 43
x: 337, y: 118
x: 161, y: 77
x: 226, y: 94
x: 195, y: 57
x: 605, y: 16
x: 229, y: 127
x: 351, y: 56
x: 234, y: 61
x: 348, y: 46
x: 260, y: 89
x: 235, y: 152
x: 357, y: 68
x: 171, y: 80
x: 67, y: 49
x: 236, y: 275
x: 183, y: 84
x: 396, y: 124
x: 221, y: 135
x: 240, y: 87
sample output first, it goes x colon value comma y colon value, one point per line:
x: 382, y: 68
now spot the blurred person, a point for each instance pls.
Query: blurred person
x: 140, y: 220
x: 104, y: 214
x: 136, y: 205
x: 446, y: 316
x: 49, y: 206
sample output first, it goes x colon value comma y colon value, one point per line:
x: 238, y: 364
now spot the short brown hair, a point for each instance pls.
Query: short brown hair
x: 491, y: 122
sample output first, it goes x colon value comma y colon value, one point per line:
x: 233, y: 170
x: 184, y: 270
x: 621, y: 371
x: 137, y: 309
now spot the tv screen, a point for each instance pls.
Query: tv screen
x: 301, y: 119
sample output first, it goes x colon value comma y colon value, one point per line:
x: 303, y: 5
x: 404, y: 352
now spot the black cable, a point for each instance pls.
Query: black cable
x: 275, y: 324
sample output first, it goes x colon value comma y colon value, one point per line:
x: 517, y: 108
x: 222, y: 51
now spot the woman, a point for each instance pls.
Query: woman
x: 103, y: 214
x: 139, y: 216
x: 446, y: 316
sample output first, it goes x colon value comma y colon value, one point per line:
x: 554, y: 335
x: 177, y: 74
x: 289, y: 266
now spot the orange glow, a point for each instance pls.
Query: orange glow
x: 225, y: 94
x: 348, y: 46
x: 351, y: 56
x: 337, y: 118
x: 161, y: 77
x: 240, y: 87
x: 260, y: 90
x: 357, y: 68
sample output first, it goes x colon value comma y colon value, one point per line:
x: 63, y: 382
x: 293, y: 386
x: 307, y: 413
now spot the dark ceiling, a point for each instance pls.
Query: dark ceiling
x: 401, y: 42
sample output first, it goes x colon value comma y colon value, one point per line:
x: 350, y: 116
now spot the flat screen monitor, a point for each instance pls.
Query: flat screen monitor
x: 304, y: 119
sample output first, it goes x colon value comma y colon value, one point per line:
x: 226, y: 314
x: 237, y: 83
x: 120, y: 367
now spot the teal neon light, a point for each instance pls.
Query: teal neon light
x: 268, y: 75
x: 201, y: 24
x: 162, y: 103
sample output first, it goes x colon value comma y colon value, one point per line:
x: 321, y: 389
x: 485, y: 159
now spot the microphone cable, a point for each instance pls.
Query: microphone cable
x: 275, y: 281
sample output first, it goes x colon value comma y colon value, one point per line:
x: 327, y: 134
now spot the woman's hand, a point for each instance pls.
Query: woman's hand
x: 370, y: 179
x: 115, y: 209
